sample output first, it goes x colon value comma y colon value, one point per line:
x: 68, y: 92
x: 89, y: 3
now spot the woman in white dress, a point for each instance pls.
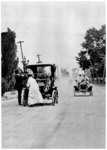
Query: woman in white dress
x: 35, y: 96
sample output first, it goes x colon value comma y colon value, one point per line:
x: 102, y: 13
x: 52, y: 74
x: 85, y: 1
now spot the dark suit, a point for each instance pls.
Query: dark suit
x: 19, y: 86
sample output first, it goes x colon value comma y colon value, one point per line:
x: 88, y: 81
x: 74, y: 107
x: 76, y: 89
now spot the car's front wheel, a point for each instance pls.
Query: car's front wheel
x: 54, y: 97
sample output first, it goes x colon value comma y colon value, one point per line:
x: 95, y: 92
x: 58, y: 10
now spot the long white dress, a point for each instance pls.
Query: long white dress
x: 34, y: 93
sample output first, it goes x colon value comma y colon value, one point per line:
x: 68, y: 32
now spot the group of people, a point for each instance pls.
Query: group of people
x: 34, y: 95
x: 82, y: 79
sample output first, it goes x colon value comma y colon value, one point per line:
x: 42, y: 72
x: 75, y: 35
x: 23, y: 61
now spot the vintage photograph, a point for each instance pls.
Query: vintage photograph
x: 53, y: 74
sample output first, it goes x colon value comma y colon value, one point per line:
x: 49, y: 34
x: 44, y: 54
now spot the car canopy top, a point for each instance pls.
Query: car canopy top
x: 36, y: 70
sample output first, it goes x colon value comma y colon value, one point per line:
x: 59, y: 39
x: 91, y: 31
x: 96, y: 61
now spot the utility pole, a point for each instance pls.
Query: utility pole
x: 20, y: 42
x: 39, y: 61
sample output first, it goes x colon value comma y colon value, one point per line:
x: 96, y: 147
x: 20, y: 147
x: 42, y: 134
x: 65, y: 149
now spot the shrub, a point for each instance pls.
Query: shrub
x: 7, y: 85
x: 11, y: 84
x: 4, y: 86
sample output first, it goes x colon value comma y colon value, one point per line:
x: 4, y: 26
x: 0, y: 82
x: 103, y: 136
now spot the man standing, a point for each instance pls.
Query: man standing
x: 18, y: 85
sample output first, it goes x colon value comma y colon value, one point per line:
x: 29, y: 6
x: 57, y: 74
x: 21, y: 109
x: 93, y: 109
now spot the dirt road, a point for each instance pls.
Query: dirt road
x: 75, y: 122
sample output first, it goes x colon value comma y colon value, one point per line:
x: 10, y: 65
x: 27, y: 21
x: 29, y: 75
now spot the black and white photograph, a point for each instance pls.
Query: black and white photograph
x: 53, y: 74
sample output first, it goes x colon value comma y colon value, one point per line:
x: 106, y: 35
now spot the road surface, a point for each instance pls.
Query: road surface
x: 75, y: 122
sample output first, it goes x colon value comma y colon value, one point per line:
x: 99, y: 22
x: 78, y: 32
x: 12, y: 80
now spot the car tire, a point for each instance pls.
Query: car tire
x: 53, y: 97
x: 91, y: 93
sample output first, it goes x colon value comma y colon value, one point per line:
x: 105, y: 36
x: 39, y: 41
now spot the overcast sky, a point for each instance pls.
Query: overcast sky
x: 53, y: 29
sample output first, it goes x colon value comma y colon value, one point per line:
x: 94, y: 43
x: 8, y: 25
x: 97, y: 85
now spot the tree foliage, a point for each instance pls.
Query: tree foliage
x: 82, y: 60
x: 9, y: 60
x: 93, y: 50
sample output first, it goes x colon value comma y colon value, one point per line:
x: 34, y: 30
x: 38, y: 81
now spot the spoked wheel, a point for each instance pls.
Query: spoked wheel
x: 74, y: 91
x: 91, y: 93
x: 25, y: 102
x: 54, y: 97
x: 25, y: 97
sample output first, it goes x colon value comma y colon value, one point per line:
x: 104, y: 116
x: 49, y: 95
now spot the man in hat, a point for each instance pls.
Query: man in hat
x: 18, y: 85
x: 79, y: 79
x: 86, y: 79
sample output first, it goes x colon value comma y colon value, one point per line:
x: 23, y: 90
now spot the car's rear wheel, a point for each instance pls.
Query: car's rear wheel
x: 53, y: 97
x: 56, y: 97
x: 74, y: 93
x: 91, y: 93
x: 74, y: 90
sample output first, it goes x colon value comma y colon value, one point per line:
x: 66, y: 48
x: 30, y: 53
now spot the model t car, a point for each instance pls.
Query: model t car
x: 45, y: 76
x: 84, y: 88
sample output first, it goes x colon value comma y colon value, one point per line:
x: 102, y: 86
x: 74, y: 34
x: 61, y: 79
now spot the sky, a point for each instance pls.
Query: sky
x: 53, y: 29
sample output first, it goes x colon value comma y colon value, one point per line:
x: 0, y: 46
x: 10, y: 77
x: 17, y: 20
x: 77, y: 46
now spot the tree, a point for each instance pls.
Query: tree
x: 82, y: 60
x: 9, y: 59
x: 94, y: 46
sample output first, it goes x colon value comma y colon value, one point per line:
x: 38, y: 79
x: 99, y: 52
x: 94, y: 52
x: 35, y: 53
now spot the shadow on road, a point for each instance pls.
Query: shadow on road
x: 40, y: 105
x: 82, y: 96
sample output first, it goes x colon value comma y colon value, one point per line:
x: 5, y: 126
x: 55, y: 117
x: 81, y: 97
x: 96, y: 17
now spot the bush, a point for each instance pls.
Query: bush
x: 11, y: 84
x: 7, y: 85
x: 4, y: 86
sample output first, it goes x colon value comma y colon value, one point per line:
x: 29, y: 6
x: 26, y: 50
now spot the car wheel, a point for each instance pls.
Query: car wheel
x: 56, y: 96
x: 53, y: 97
x: 91, y: 93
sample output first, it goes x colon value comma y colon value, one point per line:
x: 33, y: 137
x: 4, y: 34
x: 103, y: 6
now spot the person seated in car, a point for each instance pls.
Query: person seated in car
x: 87, y: 82
x: 85, y: 79
x: 79, y: 80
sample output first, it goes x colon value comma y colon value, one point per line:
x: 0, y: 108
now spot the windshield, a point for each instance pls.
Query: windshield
x: 41, y: 72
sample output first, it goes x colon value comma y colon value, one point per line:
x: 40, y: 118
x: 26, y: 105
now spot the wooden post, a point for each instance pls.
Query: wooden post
x: 20, y: 42
x: 39, y: 59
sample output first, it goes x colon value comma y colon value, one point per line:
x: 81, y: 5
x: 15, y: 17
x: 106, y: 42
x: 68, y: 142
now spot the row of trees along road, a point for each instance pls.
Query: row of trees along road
x: 92, y: 55
x: 9, y: 60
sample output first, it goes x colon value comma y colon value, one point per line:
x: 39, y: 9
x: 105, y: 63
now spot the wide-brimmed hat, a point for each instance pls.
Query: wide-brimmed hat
x: 30, y: 72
